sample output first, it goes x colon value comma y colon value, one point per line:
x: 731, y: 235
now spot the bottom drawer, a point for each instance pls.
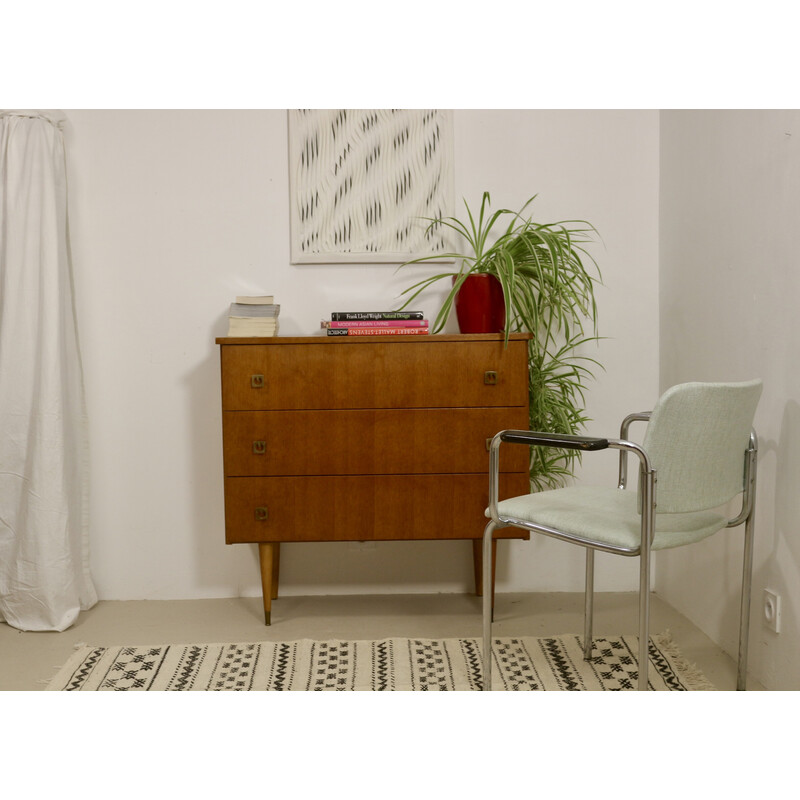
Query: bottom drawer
x: 361, y: 508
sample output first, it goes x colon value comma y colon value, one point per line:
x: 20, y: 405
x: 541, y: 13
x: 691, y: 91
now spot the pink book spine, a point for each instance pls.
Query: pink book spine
x: 380, y: 323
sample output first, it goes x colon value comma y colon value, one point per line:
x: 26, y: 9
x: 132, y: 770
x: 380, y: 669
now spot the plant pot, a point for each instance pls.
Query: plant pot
x: 480, y: 306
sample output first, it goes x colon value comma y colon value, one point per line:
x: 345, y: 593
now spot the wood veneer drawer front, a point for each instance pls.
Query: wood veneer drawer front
x: 368, y: 442
x: 361, y: 508
x: 372, y: 374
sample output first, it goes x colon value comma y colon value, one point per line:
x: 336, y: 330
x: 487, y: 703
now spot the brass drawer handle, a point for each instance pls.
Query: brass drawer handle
x: 488, y: 443
x: 261, y: 514
x: 259, y: 448
x: 257, y: 381
x: 490, y: 378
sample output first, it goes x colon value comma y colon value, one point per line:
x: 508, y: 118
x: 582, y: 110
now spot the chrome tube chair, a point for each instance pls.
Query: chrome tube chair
x: 699, y: 447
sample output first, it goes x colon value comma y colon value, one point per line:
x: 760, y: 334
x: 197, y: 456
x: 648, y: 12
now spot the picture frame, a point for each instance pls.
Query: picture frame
x: 365, y: 184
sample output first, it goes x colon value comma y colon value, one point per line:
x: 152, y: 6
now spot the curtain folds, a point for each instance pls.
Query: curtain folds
x: 44, y: 560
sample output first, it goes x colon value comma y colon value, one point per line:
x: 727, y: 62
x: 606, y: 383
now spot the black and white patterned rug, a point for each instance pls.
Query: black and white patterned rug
x: 522, y: 664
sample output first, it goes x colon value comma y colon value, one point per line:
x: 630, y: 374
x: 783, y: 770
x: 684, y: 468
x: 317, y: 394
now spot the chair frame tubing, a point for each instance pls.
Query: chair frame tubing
x: 588, y: 607
x: 648, y: 483
x: 747, y: 515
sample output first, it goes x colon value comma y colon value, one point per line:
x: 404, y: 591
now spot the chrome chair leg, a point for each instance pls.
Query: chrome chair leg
x: 487, y: 606
x: 744, y: 616
x: 644, y: 619
x: 588, y: 614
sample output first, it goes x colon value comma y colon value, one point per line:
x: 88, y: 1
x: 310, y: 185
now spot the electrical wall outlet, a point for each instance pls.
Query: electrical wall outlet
x: 772, y: 610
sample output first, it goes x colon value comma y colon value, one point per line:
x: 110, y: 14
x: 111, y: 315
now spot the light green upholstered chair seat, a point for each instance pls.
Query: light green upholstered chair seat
x: 698, y: 454
x: 608, y: 516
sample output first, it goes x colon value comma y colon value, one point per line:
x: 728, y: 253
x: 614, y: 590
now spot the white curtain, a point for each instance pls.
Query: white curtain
x: 44, y: 562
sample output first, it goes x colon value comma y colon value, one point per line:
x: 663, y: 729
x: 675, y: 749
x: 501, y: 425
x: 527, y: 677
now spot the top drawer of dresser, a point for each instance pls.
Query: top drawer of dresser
x: 424, y: 372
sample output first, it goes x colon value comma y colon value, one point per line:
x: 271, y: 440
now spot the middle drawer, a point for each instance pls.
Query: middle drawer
x: 368, y: 441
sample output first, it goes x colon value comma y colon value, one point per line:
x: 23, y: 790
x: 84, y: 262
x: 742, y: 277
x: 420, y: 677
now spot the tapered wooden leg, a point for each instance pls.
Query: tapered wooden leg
x: 477, y: 561
x: 267, y: 557
x: 276, y: 562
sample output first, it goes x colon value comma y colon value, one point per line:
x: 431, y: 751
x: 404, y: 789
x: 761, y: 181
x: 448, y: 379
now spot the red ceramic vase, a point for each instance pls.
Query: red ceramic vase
x: 480, y: 306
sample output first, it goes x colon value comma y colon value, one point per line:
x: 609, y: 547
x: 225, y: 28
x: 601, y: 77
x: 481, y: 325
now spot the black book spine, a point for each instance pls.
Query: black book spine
x: 355, y: 316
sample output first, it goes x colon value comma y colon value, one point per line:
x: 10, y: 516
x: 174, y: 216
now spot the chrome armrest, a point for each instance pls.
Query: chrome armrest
x: 531, y: 438
x: 749, y: 483
x: 568, y: 441
x: 585, y: 443
x: 642, y: 416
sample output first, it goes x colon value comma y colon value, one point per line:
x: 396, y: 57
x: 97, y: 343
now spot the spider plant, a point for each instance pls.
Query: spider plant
x: 549, y: 292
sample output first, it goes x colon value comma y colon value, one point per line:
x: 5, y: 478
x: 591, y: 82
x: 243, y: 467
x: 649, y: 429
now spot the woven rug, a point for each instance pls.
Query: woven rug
x: 523, y: 664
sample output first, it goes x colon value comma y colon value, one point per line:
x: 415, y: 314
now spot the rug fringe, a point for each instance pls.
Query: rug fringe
x: 80, y: 650
x: 689, y: 672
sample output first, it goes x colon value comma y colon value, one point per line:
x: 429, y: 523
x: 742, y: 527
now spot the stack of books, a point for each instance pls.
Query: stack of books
x: 254, y: 316
x: 376, y: 323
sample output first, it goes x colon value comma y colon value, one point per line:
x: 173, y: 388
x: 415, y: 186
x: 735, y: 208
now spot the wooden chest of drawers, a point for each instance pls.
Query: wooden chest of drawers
x: 367, y: 438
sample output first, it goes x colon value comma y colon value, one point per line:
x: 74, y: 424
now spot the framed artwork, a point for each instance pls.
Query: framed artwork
x: 364, y: 184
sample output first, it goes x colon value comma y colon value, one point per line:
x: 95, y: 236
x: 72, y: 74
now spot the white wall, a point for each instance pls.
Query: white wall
x: 730, y: 284
x: 173, y: 213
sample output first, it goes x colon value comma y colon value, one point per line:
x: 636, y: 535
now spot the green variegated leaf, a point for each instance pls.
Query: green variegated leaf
x: 549, y: 292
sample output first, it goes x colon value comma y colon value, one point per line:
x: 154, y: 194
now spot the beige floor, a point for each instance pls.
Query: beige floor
x: 28, y: 660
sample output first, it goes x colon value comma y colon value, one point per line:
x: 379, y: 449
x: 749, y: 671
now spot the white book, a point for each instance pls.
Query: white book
x: 252, y: 326
x: 261, y: 300
x: 245, y: 310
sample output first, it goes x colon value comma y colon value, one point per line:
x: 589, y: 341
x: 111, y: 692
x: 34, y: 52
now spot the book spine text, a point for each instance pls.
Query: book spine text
x: 377, y: 323
x: 377, y: 331
x: 354, y: 316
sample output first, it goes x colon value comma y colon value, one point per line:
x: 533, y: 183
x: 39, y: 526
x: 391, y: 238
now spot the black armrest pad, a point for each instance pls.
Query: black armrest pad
x: 554, y: 440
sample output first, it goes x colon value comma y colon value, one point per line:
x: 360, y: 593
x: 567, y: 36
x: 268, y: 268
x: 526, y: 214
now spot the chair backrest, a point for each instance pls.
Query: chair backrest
x: 696, y: 438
